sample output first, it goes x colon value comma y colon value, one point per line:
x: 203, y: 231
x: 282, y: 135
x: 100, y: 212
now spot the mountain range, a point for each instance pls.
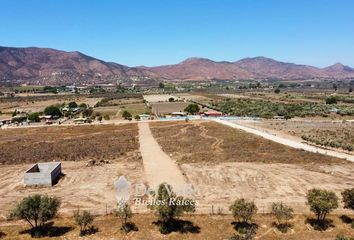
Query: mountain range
x: 44, y: 66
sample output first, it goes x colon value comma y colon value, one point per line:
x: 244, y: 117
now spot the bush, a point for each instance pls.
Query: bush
x: 124, y: 213
x: 167, y: 209
x: 33, y: 117
x: 348, y: 198
x: 331, y: 100
x: 243, y: 210
x: 126, y: 115
x: 53, y: 111
x: 36, y: 210
x: 321, y: 202
x: 283, y: 214
x: 192, y: 108
x: 171, y: 99
x: 277, y: 90
x: 84, y: 221
x: 137, y: 117
x: 72, y: 105
x: 106, y: 117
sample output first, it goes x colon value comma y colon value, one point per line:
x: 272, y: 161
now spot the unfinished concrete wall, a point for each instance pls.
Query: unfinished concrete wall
x: 43, y: 174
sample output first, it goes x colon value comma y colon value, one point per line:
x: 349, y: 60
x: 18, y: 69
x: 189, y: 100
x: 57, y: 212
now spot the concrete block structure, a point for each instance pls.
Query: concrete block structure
x: 43, y: 174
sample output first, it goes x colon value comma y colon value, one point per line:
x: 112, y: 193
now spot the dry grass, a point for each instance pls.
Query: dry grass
x: 210, y: 227
x: 214, y: 143
x: 67, y: 143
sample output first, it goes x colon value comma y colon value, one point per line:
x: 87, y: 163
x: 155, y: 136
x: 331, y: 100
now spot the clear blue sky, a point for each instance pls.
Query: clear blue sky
x: 155, y: 32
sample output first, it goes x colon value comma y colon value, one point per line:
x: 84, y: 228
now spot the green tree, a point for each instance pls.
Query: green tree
x: 331, y: 100
x: 72, y: 105
x: 84, y: 220
x: 83, y: 106
x: 348, y: 198
x: 53, y: 111
x: 126, y: 115
x: 161, y: 85
x: 171, y: 99
x: 137, y: 117
x: 192, y: 108
x: 277, y: 90
x: 33, y: 117
x: 168, y: 206
x: 243, y: 210
x: 36, y: 210
x: 124, y: 213
x: 321, y: 202
x: 283, y: 214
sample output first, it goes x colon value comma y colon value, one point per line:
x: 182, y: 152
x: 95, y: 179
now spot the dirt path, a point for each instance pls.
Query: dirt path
x: 287, y: 142
x: 158, y: 166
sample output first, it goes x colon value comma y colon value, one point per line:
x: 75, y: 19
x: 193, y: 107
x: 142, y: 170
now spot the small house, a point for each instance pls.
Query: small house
x: 212, y: 113
x: 178, y: 114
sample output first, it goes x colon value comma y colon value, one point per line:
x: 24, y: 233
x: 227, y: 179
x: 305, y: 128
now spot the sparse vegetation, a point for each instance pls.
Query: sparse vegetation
x: 169, y: 206
x: 84, y: 220
x: 283, y: 214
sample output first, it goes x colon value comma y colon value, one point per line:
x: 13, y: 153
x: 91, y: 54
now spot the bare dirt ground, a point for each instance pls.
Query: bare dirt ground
x: 82, y: 187
x: 158, y: 166
x: 67, y: 143
x: 38, y: 106
x: 224, y: 163
x: 204, y: 227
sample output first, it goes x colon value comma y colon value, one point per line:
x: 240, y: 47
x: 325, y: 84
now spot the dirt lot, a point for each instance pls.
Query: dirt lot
x: 166, y: 108
x: 67, y: 143
x: 204, y: 227
x: 332, y: 134
x: 82, y: 187
x: 224, y: 164
x: 213, y: 143
x: 39, y: 105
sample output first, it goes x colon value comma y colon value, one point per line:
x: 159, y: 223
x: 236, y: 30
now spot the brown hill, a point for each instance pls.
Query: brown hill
x: 48, y: 66
x: 43, y: 66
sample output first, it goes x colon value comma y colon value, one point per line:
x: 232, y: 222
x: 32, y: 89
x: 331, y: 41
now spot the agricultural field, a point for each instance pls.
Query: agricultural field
x: 332, y: 134
x: 67, y: 143
x: 224, y: 163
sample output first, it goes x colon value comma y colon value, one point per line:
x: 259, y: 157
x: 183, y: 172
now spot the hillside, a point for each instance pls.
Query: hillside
x: 44, y: 66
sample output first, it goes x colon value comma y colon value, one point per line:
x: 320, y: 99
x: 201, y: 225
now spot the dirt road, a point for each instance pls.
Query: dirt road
x: 158, y: 166
x: 286, y: 141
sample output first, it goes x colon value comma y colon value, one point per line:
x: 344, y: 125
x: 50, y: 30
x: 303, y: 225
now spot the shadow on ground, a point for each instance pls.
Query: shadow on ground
x: 48, y: 230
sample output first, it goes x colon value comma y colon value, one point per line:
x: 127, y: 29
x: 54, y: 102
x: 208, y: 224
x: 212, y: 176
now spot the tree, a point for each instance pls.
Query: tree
x: 277, y: 90
x: 33, y: 117
x: 348, y: 198
x: 192, y: 108
x: 171, y: 99
x: 126, y: 115
x: 87, y: 112
x: 161, y: 85
x: 243, y: 210
x: 124, y: 213
x: 83, y: 105
x: 283, y: 214
x: 53, y: 111
x: 137, y: 117
x: 84, y: 220
x: 36, y: 210
x: 331, y: 100
x: 321, y: 202
x: 72, y: 105
x: 350, y: 89
x: 168, y: 206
